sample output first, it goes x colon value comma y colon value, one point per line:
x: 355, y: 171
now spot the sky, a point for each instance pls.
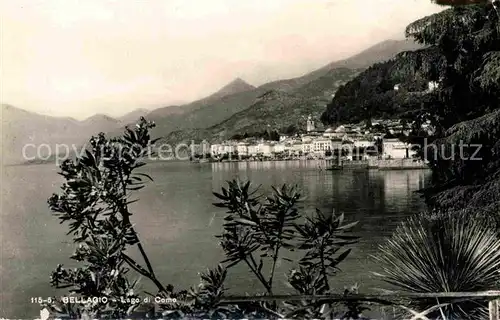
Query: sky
x: 81, y: 57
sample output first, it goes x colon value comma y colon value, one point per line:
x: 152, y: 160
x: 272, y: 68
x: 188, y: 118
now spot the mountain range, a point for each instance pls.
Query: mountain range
x: 238, y: 107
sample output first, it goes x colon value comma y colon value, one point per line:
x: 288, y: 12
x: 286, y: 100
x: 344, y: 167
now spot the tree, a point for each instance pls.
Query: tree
x: 463, y: 55
x: 291, y: 130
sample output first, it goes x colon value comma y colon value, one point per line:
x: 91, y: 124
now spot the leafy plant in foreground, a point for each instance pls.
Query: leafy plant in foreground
x: 95, y: 201
x: 257, y: 232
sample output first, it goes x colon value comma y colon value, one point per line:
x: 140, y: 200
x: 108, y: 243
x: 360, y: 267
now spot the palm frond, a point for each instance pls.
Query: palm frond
x: 443, y: 252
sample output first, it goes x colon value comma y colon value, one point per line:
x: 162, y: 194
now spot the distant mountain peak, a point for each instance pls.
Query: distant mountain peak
x: 100, y: 117
x: 236, y: 86
x: 238, y: 80
x: 134, y: 116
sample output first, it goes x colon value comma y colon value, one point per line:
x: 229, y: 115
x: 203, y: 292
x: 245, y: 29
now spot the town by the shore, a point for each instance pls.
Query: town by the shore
x: 381, y: 144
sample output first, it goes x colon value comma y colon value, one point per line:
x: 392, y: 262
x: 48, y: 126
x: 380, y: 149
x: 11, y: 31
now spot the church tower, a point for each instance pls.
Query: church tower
x: 310, y: 124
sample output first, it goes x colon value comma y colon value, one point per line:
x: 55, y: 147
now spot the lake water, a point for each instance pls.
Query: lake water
x: 175, y: 221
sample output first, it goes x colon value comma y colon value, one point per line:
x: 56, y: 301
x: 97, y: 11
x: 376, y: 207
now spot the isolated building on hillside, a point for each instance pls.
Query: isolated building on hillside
x: 432, y: 85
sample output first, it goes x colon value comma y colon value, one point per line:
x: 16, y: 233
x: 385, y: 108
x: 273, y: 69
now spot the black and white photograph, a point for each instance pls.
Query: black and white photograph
x: 250, y: 159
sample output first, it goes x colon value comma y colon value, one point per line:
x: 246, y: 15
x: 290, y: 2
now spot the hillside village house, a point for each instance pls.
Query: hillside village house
x: 339, y: 132
x: 363, y: 142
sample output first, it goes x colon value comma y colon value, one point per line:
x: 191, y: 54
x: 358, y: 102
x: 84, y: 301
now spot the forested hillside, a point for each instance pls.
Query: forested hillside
x: 462, y: 55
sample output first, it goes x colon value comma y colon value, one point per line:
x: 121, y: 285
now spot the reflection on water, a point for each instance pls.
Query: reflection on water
x: 177, y: 224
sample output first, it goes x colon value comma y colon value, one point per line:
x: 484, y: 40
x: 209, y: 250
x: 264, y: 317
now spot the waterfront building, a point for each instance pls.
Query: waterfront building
x: 279, y: 148
x: 200, y: 149
x: 297, y: 147
x: 242, y: 149
x: 229, y: 148
x: 264, y: 149
x: 253, y: 150
x: 322, y: 145
x: 205, y: 146
x: 216, y: 149
x: 336, y: 143
x: 307, y: 147
x: 396, y: 149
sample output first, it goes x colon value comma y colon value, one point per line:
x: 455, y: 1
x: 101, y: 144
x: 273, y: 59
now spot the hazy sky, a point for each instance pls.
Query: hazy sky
x: 80, y: 57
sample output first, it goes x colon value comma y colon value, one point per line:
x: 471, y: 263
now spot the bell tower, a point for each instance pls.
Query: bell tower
x: 310, y: 124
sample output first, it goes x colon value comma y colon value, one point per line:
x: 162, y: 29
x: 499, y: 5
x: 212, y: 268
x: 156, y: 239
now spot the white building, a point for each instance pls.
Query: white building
x: 264, y: 149
x: 200, y: 149
x: 229, y: 149
x: 363, y: 143
x: 242, y: 149
x: 216, y: 149
x: 339, y: 132
x: 307, y: 147
x: 329, y: 133
x: 396, y: 149
x: 279, y: 147
x: 322, y: 145
x: 253, y: 150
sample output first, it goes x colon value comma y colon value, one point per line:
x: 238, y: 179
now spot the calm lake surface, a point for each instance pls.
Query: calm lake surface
x: 175, y: 221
